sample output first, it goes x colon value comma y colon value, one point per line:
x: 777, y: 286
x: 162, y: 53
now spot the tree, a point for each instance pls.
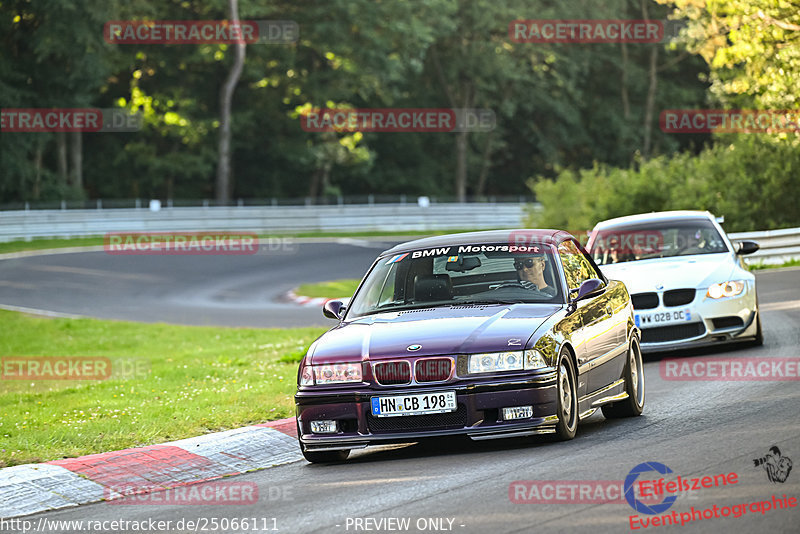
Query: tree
x: 226, y: 96
x: 752, y: 47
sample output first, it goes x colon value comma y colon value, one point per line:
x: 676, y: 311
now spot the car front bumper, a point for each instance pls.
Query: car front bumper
x: 479, y: 413
x: 713, y: 322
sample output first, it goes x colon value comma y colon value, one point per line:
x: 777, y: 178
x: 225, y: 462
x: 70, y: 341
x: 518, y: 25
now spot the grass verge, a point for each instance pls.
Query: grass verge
x: 168, y: 382
x: 762, y: 266
x: 329, y: 290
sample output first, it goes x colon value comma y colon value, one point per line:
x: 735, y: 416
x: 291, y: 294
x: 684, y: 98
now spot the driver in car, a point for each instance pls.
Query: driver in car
x: 530, y: 270
x: 692, y: 242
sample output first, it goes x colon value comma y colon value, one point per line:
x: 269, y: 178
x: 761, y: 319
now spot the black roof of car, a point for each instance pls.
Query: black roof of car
x: 522, y: 236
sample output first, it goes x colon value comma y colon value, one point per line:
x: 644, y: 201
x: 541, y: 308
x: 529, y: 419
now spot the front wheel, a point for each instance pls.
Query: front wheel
x: 567, y: 398
x: 759, y: 340
x: 634, y: 386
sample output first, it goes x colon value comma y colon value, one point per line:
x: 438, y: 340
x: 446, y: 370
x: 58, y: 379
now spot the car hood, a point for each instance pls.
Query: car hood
x: 456, y: 330
x: 661, y: 274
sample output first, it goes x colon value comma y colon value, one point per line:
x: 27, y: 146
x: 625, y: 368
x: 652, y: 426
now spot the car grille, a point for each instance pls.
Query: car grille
x: 437, y: 421
x: 672, y: 333
x: 432, y: 369
x: 392, y: 373
x: 727, y: 322
x: 644, y: 301
x: 679, y: 297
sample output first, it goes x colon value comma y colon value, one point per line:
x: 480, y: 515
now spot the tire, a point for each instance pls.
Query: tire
x: 759, y: 340
x: 634, y: 386
x: 567, y: 401
x: 325, y: 457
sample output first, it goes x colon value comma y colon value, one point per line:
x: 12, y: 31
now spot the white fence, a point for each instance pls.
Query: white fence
x: 777, y: 246
x: 15, y: 225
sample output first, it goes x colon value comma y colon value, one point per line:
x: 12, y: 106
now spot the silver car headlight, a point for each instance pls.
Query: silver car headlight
x: 494, y: 362
x: 731, y: 288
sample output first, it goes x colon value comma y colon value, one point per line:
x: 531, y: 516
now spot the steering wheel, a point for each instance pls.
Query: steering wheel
x: 507, y: 284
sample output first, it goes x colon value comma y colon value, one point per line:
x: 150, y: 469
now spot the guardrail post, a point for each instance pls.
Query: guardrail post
x: 63, y: 204
x: 138, y: 203
x: 99, y: 203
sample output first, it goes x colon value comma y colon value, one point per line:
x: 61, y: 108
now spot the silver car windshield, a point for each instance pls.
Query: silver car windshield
x: 656, y: 240
x: 485, y: 275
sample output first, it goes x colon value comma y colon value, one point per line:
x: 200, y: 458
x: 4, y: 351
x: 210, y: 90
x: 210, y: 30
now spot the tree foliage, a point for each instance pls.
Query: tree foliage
x: 558, y: 106
x: 752, y: 181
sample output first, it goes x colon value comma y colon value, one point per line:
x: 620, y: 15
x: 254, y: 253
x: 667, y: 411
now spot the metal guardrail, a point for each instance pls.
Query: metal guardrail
x: 15, y: 225
x: 777, y: 246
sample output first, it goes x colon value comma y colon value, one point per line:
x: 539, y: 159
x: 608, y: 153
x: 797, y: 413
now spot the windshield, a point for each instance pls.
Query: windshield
x: 656, y: 240
x: 463, y: 274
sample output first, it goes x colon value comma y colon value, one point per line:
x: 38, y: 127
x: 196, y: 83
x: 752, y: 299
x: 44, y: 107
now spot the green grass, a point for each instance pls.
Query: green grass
x: 45, y: 244
x: 761, y: 266
x: 332, y: 289
x: 190, y: 381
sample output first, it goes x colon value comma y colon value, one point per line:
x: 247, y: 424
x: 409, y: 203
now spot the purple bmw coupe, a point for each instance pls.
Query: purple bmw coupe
x: 485, y: 334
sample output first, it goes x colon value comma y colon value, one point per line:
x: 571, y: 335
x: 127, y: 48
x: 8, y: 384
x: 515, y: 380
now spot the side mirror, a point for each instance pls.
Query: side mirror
x: 589, y: 287
x: 333, y: 309
x: 746, y: 247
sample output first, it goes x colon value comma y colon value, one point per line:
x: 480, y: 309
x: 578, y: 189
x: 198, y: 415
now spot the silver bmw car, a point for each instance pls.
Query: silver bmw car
x: 688, y: 282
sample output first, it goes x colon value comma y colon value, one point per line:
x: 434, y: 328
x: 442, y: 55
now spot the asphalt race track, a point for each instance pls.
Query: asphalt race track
x: 697, y: 428
x: 246, y: 290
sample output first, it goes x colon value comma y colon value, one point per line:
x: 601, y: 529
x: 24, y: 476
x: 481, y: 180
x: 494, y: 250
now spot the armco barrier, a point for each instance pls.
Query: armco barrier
x: 777, y: 246
x: 15, y: 225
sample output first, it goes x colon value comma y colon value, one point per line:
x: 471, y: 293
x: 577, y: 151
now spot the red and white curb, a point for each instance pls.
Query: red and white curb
x: 32, y: 488
x: 301, y: 300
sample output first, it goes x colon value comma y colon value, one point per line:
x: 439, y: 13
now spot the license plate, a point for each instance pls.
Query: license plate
x: 660, y: 318
x: 417, y: 404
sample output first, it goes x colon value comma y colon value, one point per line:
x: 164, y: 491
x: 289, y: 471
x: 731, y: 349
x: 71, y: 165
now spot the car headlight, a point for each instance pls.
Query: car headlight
x: 731, y: 288
x: 338, y: 373
x: 505, y: 361
x: 534, y: 359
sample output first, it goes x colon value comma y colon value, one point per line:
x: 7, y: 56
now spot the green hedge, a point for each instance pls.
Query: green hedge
x: 753, y: 180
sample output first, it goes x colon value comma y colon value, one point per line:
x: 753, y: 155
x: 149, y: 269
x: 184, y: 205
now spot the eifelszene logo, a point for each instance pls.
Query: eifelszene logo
x: 630, y: 496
